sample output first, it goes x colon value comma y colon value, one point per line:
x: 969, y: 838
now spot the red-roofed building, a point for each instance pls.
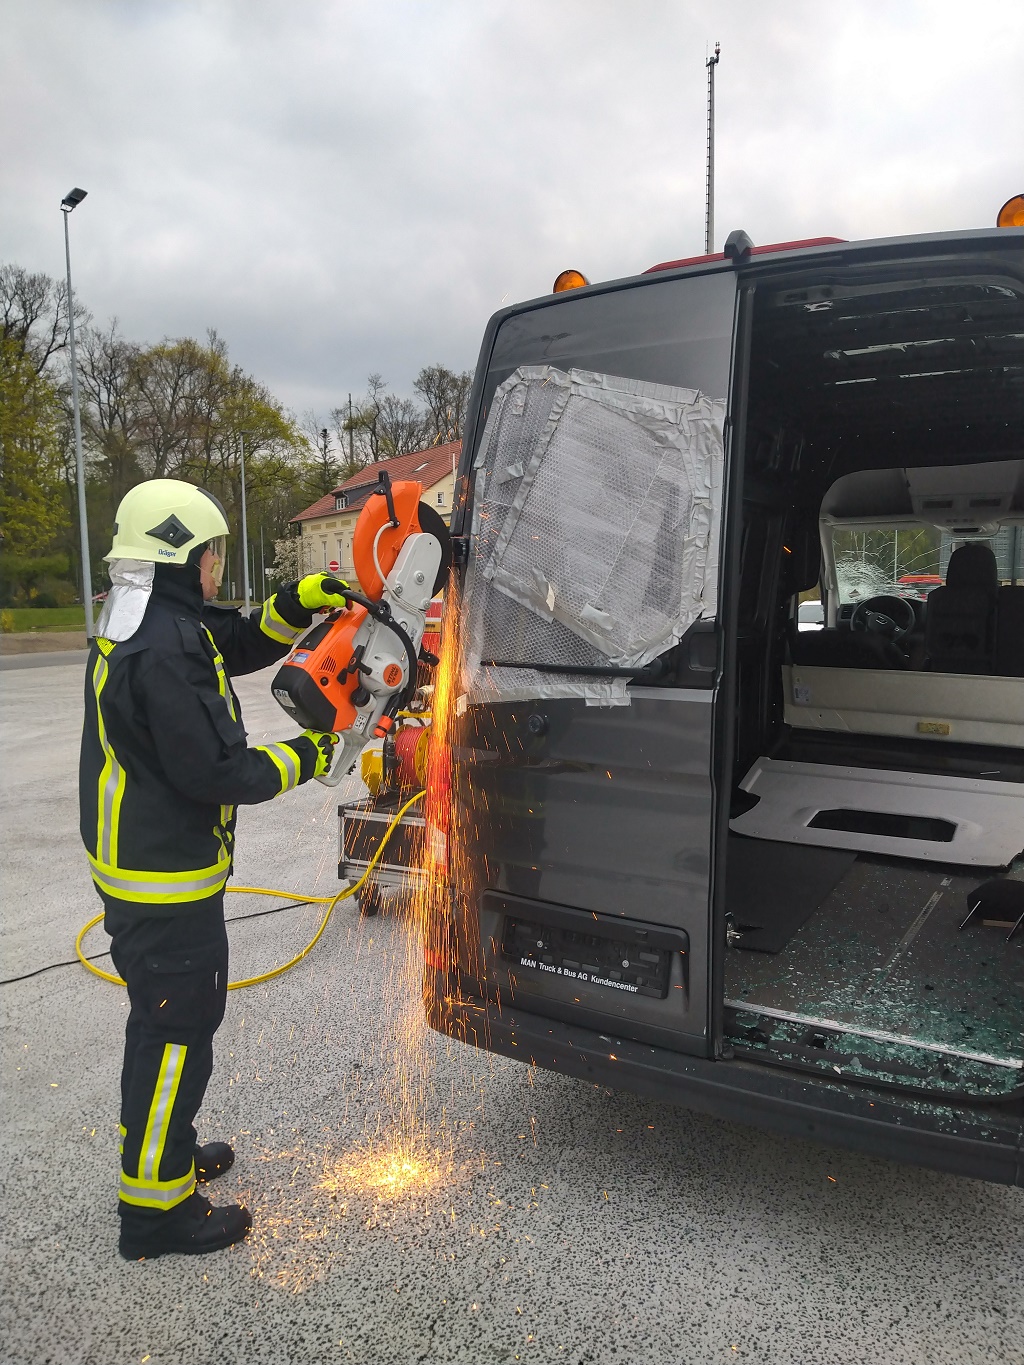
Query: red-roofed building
x: 326, y: 526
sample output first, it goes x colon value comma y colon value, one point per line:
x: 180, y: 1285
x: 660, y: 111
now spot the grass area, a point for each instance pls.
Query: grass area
x: 57, y: 618
x: 43, y: 618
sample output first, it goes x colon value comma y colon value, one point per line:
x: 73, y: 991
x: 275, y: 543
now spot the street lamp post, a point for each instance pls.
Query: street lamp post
x: 245, y: 532
x: 67, y: 206
x: 709, y: 218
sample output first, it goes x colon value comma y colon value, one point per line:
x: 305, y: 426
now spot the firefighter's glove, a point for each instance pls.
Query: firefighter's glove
x: 325, y: 743
x: 321, y: 592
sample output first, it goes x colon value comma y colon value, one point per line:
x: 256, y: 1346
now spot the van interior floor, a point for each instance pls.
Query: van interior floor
x: 878, y: 979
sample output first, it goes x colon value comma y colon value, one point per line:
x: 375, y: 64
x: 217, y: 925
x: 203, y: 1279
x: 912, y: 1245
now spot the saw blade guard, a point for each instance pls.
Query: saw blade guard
x: 377, y: 541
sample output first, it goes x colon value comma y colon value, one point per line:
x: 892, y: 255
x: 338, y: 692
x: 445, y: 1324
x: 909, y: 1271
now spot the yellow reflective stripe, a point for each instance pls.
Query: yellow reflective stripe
x: 110, y: 788
x: 167, y: 1081
x: 286, y: 760
x: 160, y: 888
x: 193, y: 875
x: 272, y: 623
x: 122, y: 1134
x: 222, y: 677
x: 221, y: 830
x: 157, y: 1194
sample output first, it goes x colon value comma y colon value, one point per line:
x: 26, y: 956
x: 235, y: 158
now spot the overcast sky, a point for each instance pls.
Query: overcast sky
x: 346, y: 186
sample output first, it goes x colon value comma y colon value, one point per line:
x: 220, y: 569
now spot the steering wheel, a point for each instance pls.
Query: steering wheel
x: 889, y: 616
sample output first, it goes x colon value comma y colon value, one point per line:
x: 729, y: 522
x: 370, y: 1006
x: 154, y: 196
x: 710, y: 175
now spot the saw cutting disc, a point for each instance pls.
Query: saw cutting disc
x: 433, y: 524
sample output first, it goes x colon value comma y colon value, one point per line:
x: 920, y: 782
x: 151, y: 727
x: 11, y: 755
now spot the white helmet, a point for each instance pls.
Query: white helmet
x: 162, y: 520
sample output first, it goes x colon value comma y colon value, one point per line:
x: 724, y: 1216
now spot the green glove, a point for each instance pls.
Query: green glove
x: 319, y: 590
x: 325, y: 743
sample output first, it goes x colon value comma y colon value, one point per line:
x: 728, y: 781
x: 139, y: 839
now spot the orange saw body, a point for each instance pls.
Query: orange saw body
x: 352, y: 672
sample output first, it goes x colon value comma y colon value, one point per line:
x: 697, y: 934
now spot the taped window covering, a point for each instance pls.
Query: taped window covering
x: 595, y: 531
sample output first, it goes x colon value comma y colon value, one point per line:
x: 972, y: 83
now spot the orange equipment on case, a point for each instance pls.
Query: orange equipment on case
x: 352, y: 673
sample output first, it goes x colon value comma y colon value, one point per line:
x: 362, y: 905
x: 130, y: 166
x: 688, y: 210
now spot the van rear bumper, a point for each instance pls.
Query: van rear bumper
x: 984, y: 1144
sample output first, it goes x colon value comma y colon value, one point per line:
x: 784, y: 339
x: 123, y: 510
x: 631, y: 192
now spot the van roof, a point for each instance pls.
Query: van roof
x: 803, y: 244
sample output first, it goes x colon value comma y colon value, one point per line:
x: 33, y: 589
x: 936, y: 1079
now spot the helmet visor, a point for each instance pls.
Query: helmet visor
x: 218, y: 547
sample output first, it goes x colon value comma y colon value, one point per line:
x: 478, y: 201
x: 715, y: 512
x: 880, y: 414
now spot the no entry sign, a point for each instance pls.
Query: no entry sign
x: 333, y: 567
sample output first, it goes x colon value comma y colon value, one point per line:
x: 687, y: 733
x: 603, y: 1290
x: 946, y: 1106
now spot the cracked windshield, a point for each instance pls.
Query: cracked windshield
x: 909, y: 559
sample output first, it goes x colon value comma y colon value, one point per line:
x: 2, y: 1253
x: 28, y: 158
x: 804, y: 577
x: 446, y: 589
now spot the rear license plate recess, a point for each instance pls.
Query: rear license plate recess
x: 597, y: 950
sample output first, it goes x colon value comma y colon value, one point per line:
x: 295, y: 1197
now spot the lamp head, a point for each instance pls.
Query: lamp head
x: 71, y: 200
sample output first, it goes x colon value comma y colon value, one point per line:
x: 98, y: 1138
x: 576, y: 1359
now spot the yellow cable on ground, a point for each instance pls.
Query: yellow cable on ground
x: 329, y: 901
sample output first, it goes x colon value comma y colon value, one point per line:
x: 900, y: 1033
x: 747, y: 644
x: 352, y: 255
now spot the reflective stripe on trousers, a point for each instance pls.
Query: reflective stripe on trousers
x: 146, y: 1188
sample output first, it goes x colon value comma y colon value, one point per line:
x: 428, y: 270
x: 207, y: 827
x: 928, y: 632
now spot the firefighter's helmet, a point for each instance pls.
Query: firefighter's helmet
x: 162, y: 521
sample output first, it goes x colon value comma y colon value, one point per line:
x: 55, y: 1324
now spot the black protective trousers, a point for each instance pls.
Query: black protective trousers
x: 176, y: 968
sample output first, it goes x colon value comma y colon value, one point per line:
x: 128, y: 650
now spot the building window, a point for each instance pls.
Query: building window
x: 440, y: 499
x: 340, y: 501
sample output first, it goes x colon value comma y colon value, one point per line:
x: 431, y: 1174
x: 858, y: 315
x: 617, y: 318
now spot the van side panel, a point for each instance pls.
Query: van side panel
x: 605, y: 810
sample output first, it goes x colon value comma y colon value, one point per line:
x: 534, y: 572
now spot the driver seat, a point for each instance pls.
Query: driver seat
x: 960, y: 622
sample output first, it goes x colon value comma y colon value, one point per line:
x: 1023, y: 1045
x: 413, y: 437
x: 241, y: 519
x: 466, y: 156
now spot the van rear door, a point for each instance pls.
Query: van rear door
x: 583, y: 791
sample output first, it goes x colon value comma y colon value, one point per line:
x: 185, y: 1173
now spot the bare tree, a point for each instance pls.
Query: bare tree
x: 446, y: 394
x: 382, y: 424
x: 360, y: 427
x: 107, y: 374
x: 34, y: 313
x: 401, y: 427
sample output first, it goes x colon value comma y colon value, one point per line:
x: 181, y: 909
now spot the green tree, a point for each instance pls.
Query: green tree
x: 181, y: 409
x: 324, y: 468
x: 32, y: 508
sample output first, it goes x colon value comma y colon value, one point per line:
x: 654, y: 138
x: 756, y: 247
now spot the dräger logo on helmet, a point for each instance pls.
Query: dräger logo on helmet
x: 168, y: 554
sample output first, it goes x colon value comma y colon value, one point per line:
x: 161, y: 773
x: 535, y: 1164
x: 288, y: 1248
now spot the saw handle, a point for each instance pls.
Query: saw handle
x: 384, y: 487
x: 346, y: 754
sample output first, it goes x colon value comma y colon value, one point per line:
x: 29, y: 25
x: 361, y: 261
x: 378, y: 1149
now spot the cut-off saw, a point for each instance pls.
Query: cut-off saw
x: 353, y: 672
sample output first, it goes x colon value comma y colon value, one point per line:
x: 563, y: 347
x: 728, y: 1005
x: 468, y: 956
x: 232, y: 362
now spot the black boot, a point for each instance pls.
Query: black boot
x: 193, y: 1228
x: 213, y: 1159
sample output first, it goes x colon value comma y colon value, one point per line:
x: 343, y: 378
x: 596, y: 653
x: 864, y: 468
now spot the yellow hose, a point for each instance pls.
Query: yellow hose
x: 329, y: 901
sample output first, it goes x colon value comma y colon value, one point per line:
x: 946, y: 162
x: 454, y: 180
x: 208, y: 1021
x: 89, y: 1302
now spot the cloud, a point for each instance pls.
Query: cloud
x: 346, y: 187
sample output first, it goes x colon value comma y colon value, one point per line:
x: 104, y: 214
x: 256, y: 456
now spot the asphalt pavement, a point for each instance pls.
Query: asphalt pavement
x: 50, y: 659
x: 415, y: 1200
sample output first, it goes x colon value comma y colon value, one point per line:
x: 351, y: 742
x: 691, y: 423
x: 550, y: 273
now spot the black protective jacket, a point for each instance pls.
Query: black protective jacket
x: 164, y: 756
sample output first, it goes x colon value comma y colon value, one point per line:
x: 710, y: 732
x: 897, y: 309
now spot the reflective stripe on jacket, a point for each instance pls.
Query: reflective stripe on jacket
x: 164, y: 758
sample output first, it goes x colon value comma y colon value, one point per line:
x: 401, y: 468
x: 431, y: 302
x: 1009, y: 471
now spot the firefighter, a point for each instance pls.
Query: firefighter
x: 164, y: 763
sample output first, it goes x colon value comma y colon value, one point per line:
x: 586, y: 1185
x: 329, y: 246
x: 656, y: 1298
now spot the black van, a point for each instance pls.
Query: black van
x: 693, y: 849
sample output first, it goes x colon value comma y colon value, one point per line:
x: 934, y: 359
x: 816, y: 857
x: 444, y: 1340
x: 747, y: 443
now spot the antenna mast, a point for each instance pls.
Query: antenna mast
x: 709, y: 217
